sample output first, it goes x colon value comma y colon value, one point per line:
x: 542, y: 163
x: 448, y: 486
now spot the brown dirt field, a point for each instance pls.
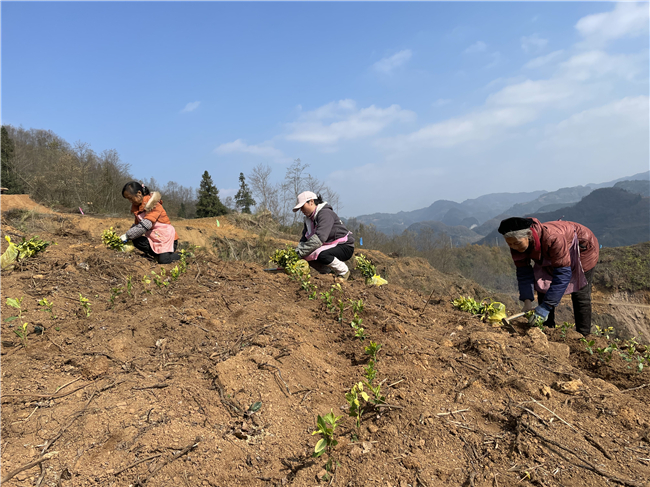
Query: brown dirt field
x: 156, y: 388
x: 21, y: 202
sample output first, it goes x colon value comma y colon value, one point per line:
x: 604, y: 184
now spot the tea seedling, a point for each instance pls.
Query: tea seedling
x: 31, y: 247
x: 48, y: 307
x: 328, y: 297
x: 326, y: 426
x: 358, y: 331
x: 589, y: 345
x: 18, y: 304
x: 564, y: 328
x: 22, y: 334
x: 372, y: 350
x: 158, y: 279
x: 85, y: 304
x: 146, y: 280
x: 175, y: 273
x: 112, y: 240
x: 354, y: 402
x: 115, y: 292
x: 365, y: 266
x: 604, y: 332
x: 129, y: 285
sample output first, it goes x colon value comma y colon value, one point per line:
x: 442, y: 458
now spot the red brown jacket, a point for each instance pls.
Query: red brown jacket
x: 555, y: 240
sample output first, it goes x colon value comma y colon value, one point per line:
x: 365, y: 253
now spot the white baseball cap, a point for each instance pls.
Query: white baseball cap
x: 303, y: 198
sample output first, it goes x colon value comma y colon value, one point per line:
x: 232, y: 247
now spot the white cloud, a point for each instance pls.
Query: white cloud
x: 628, y: 19
x: 479, y: 125
x: 533, y: 43
x: 441, y: 102
x: 541, y: 93
x: 478, y: 46
x: 613, y: 138
x: 540, y: 61
x: 349, y: 122
x: 388, y: 64
x: 262, y: 150
x: 190, y: 107
x: 595, y: 63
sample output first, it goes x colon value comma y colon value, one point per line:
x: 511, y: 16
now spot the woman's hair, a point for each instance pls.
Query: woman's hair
x: 525, y: 233
x: 133, y: 187
x: 319, y: 199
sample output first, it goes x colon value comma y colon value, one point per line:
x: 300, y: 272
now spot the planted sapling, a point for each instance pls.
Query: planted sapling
x: 85, y: 304
x: 48, y: 307
x: 354, y: 402
x: 564, y: 328
x: 326, y: 426
x: 589, y: 345
x: 372, y: 350
x: 22, y: 334
x: 115, y: 292
x: 129, y: 285
x: 18, y: 304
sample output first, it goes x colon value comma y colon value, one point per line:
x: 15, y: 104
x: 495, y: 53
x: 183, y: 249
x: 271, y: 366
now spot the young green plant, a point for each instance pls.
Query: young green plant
x: 18, y: 304
x: 48, y: 307
x: 85, y: 304
x: 326, y: 427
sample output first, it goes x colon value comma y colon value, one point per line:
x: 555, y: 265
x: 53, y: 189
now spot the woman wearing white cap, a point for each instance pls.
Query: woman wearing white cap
x: 325, y: 243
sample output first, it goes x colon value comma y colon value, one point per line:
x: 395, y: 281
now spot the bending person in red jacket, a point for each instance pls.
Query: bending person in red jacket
x: 564, y: 255
x: 325, y: 242
x: 152, y: 232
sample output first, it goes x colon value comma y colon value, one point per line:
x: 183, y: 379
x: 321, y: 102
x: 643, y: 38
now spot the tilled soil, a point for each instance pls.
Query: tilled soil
x: 157, y: 387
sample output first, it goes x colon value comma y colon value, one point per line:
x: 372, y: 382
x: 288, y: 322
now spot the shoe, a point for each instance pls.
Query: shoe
x: 344, y: 277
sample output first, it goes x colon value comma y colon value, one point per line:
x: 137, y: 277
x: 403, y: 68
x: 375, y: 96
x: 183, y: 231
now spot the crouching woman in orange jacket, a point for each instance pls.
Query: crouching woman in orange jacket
x: 152, y: 232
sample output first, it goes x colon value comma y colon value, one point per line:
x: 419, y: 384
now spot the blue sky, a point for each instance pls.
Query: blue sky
x: 393, y: 105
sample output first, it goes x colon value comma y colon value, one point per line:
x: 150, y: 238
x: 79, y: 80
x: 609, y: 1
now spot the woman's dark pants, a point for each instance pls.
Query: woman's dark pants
x: 142, y: 243
x: 581, y: 306
x: 341, y: 252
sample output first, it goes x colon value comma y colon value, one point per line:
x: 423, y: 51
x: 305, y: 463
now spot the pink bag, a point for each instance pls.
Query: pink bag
x: 161, y: 236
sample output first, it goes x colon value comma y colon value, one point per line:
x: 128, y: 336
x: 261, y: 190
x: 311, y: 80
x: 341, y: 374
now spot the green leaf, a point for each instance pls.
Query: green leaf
x: 255, y: 406
x: 11, y: 318
x: 320, y: 446
x: 13, y: 303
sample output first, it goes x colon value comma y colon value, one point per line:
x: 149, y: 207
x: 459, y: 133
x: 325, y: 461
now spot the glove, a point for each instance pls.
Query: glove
x: 540, y: 315
x: 528, y: 305
x: 300, y: 250
x: 123, y: 238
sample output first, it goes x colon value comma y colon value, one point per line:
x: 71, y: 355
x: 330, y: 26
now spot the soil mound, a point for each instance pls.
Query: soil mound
x: 21, y: 202
x: 215, y: 376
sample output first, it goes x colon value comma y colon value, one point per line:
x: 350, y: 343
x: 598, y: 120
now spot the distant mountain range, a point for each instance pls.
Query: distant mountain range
x: 619, y: 215
x: 616, y: 216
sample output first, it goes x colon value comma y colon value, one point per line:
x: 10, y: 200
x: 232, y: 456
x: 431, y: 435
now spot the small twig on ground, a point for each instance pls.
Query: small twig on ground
x: 540, y: 404
x: 137, y: 463
x: 635, y: 388
x: 155, y: 386
x: 425, y: 304
x: 32, y: 464
x: 452, y: 412
x: 303, y: 399
x: 395, y: 383
x: 280, y: 375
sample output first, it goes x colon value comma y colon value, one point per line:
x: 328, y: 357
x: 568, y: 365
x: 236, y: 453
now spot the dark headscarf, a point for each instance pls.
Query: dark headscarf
x: 513, y: 224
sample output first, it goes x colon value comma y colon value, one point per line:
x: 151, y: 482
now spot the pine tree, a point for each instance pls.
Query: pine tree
x: 244, y: 199
x: 209, y: 203
x: 9, y: 178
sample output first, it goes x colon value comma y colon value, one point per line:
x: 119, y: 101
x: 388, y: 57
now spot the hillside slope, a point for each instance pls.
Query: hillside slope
x: 217, y: 378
